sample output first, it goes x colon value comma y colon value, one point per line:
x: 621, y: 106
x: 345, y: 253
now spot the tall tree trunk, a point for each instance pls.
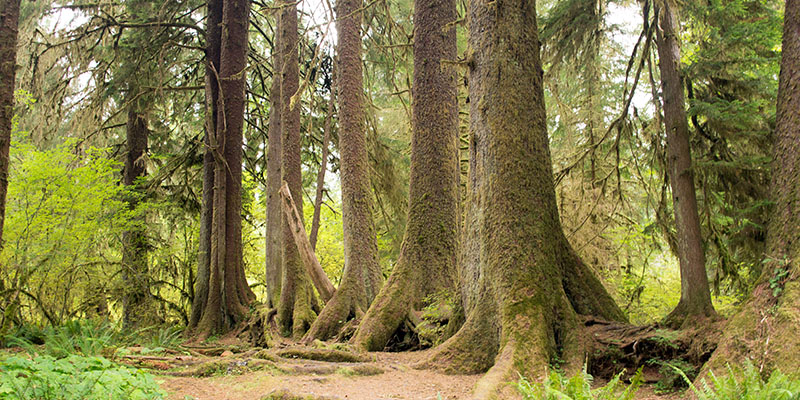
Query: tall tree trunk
x: 529, y: 286
x: 9, y: 21
x: 213, y: 42
x: 233, y: 57
x: 428, y: 256
x: 137, y: 305
x: 228, y: 292
x: 274, y: 231
x: 695, y: 303
x: 765, y: 329
x: 323, y: 166
x: 297, y: 306
x: 362, y: 277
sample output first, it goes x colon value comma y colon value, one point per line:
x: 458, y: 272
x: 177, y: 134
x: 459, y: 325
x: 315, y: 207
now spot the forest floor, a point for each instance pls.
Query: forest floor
x: 286, y: 372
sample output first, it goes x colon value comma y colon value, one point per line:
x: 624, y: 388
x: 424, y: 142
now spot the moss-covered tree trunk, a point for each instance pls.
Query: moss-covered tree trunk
x: 361, y: 278
x: 298, y: 305
x: 765, y: 329
x: 228, y: 293
x: 137, y: 304
x: 202, y: 280
x: 274, y: 234
x: 9, y: 22
x: 695, y: 302
x: 528, y: 287
x: 427, y: 262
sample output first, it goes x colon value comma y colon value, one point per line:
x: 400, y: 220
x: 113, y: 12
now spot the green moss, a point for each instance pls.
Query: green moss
x: 284, y: 394
x: 360, y: 370
x: 328, y: 355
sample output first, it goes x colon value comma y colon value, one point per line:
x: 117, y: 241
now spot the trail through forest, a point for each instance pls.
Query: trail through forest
x: 321, y: 371
x: 386, y: 376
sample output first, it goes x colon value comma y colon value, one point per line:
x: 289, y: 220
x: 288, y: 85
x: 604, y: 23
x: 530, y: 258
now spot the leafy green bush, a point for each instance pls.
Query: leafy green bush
x: 745, y: 384
x: 579, y: 387
x: 74, y: 377
x: 84, y: 337
x: 64, y: 216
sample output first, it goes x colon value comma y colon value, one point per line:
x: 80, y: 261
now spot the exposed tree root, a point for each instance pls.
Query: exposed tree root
x: 617, y: 347
x: 328, y: 355
x: 283, y: 394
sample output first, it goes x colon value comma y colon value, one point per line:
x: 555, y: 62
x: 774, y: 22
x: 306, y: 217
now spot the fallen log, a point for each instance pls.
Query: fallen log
x: 318, y: 275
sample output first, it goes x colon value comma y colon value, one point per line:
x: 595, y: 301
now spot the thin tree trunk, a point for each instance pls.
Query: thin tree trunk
x: 296, y: 309
x: 530, y: 286
x: 137, y: 305
x: 765, y: 329
x: 9, y: 21
x: 274, y: 231
x: 323, y: 166
x: 206, y: 212
x: 427, y: 262
x: 362, y: 277
x: 695, y: 303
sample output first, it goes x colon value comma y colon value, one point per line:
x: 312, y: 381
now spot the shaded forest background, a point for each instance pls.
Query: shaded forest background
x: 99, y: 225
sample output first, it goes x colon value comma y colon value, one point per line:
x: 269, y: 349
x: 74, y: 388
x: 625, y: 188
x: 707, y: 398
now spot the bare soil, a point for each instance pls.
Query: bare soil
x: 312, y: 378
x: 245, y: 374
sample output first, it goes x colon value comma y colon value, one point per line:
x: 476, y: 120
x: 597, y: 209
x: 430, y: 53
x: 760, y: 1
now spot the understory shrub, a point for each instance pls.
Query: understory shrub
x: 73, y: 378
x: 745, y: 384
x: 579, y: 387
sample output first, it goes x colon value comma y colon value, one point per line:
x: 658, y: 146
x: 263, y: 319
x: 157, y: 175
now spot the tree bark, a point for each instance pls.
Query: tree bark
x: 202, y: 281
x: 137, y: 305
x: 695, y: 302
x: 274, y: 231
x: 529, y: 286
x: 428, y: 256
x: 362, y: 277
x: 298, y: 304
x: 228, y: 292
x: 9, y: 21
x: 765, y: 329
x: 321, y: 281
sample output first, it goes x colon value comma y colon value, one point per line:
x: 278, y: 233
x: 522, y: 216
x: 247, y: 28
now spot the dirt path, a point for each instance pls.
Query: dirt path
x: 281, y: 374
x: 328, y: 380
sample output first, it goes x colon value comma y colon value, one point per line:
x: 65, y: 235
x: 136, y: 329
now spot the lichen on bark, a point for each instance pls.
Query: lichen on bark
x: 362, y: 277
x: 298, y: 305
x: 427, y: 262
x: 524, y: 286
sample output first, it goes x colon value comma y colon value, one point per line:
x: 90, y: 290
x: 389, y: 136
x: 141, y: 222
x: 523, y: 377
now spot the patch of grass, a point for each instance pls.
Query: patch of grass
x: 73, y: 378
x: 579, y: 387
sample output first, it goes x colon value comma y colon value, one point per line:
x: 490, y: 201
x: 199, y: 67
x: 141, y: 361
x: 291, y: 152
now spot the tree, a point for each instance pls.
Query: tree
x: 9, y: 21
x: 695, y: 298
x: 274, y: 234
x: 136, y: 299
x: 773, y: 309
x: 362, y: 277
x: 323, y: 164
x: 428, y: 256
x: 228, y: 292
x: 525, y: 286
x: 298, y: 305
